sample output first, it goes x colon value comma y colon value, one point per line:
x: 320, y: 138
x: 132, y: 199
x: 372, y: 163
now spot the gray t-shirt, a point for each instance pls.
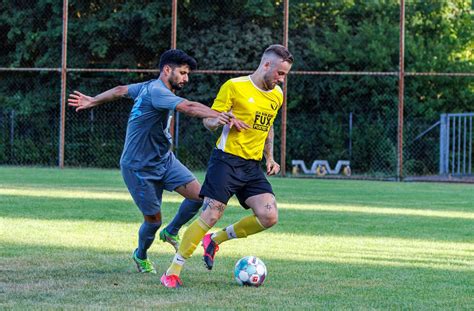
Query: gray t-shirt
x: 148, y: 141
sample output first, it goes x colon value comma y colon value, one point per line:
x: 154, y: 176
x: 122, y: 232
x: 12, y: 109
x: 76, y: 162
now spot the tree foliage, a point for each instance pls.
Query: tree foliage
x: 324, y: 35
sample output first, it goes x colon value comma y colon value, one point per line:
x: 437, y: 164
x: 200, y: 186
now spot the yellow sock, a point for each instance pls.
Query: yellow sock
x: 246, y: 226
x: 176, y: 265
x: 191, y: 238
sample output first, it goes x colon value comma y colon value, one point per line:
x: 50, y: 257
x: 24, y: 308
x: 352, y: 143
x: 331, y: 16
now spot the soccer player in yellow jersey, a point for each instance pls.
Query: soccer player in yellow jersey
x: 234, y: 167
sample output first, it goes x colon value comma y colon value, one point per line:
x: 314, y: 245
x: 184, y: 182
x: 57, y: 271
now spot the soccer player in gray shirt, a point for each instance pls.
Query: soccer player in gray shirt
x: 147, y: 164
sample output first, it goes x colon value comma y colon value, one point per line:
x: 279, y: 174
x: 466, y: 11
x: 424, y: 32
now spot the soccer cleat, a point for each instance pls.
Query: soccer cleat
x: 143, y: 265
x: 171, y: 281
x: 210, y: 249
x: 169, y: 238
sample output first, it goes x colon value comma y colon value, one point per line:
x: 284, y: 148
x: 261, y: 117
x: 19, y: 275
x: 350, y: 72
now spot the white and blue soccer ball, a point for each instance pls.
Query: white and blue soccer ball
x: 250, y: 271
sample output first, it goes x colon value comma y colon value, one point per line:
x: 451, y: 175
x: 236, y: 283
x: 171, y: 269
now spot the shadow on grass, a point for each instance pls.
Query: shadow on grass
x: 435, y: 196
x: 307, y: 222
x: 57, y: 277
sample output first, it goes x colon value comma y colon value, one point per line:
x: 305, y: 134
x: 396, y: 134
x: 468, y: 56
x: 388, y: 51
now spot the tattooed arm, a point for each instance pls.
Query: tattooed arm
x: 272, y: 167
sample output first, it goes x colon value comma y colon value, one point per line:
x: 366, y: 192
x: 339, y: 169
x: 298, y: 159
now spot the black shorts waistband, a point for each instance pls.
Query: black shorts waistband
x: 228, y: 157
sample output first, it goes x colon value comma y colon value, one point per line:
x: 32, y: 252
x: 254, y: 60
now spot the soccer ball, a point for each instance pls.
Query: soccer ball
x: 250, y: 271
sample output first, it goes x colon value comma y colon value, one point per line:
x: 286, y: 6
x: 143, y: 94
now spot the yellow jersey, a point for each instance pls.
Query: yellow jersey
x: 255, y: 107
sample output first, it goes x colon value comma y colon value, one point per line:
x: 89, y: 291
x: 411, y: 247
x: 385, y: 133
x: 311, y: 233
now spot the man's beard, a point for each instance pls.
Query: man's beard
x: 174, y: 85
x: 267, y: 81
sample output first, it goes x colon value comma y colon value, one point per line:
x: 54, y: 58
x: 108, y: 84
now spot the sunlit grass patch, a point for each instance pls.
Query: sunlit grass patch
x: 66, y: 239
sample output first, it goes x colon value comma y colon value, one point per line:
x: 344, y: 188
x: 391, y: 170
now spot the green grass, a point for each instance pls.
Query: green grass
x: 66, y: 238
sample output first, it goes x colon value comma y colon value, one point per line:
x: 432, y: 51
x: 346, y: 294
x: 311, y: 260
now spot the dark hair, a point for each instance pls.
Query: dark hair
x: 176, y: 57
x: 280, y: 51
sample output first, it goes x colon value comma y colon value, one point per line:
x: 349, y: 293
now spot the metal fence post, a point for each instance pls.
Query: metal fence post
x: 174, y: 129
x: 453, y: 158
x: 62, y: 119
x: 285, y: 92
x: 401, y: 86
x: 470, y: 145
x: 464, y: 146
x: 442, y: 145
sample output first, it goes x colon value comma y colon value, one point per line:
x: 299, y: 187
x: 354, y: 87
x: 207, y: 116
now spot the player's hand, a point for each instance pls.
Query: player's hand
x: 273, y: 168
x: 224, y: 118
x: 80, y: 101
x: 239, y: 125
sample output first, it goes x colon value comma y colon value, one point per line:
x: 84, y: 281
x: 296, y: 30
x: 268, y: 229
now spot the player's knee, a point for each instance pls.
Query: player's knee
x: 210, y: 218
x: 153, y: 219
x: 212, y: 215
x: 270, y: 217
x: 212, y: 211
x: 268, y: 220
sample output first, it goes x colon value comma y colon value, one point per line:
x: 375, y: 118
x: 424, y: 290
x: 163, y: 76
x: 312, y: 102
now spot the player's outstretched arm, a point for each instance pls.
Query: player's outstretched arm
x: 272, y: 167
x: 81, y: 101
x: 213, y: 124
x: 195, y: 109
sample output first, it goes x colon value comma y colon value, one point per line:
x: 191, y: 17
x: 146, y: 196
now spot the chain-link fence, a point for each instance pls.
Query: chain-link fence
x: 343, y: 96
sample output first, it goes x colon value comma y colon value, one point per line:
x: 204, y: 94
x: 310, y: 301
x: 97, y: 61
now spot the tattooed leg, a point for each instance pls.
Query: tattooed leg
x: 265, y: 209
x: 265, y: 216
x: 212, y: 211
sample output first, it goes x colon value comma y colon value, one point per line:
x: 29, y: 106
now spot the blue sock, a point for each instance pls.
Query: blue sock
x: 146, y: 236
x: 186, y: 212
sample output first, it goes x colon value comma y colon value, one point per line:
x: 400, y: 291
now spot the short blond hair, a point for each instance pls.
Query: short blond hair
x: 279, y: 51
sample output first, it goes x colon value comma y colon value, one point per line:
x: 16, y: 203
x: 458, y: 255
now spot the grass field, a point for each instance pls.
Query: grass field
x: 66, y: 238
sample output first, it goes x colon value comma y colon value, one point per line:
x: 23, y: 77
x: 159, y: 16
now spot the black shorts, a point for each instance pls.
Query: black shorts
x: 228, y: 175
